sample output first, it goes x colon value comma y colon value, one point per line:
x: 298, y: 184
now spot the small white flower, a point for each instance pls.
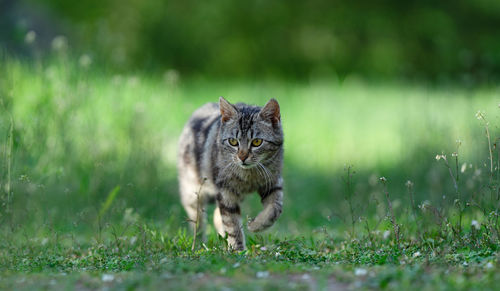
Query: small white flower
x: 85, y: 61
x: 454, y: 154
x: 383, y: 179
x: 262, y: 274
x: 30, y: 37
x: 133, y: 240
x: 416, y: 254
x: 479, y: 115
x: 464, y: 167
x: 107, y: 278
x: 59, y: 43
x: 489, y: 265
x: 409, y: 183
x: 171, y: 77
x: 360, y: 272
x: 475, y: 224
x: 263, y: 249
x: 426, y: 204
x: 439, y: 157
x: 386, y: 234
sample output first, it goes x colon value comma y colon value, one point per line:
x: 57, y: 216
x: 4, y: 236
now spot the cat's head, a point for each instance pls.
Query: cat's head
x: 249, y: 134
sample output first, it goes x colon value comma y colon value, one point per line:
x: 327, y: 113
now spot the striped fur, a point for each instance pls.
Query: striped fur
x: 212, y: 169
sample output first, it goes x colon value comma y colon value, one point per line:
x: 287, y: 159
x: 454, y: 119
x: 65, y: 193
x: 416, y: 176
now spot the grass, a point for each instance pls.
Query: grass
x: 89, y: 191
x: 148, y: 259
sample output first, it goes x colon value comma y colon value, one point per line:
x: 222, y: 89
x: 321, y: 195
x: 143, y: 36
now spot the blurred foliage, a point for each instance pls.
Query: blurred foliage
x: 422, y: 40
x: 78, y: 133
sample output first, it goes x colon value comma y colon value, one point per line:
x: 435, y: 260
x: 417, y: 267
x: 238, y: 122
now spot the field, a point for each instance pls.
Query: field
x: 387, y: 185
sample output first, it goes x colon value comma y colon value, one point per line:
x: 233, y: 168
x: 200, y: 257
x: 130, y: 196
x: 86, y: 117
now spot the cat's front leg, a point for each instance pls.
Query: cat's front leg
x: 272, y: 200
x: 231, y: 220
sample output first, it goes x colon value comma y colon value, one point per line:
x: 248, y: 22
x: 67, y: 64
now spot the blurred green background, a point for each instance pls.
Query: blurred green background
x: 94, y: 94
x: 383, y: 39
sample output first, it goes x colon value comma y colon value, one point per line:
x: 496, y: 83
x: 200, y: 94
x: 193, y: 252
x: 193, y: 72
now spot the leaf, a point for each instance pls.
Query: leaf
x: 111, y: 196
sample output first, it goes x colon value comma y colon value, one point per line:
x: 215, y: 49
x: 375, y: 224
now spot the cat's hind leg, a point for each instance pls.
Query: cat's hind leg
x: 193, y: 201
x: 218, y: 221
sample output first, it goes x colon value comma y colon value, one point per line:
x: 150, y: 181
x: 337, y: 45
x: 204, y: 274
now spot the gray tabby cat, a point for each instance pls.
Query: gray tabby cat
x: 227, y: 151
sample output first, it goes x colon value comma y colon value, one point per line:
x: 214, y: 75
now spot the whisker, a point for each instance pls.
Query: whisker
x: 261, y: 173
x: 268, y: 179
x: 271, y: 178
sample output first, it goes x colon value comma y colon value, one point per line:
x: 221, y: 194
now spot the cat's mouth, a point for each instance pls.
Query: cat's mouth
x: 246, y: 165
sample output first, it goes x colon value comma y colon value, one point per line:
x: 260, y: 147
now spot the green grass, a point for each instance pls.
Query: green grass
x: 146, y: 258
x: 88, y: 184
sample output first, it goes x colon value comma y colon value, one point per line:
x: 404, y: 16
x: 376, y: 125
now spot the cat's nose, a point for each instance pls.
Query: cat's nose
x: 243, y: 155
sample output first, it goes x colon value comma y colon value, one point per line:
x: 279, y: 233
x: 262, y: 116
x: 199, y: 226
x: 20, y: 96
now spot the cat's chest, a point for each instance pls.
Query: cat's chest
x: 248, y: 181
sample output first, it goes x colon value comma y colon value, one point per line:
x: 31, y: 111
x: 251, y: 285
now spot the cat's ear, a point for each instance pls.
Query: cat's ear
x: 271, y: 112
x: 227, y: 110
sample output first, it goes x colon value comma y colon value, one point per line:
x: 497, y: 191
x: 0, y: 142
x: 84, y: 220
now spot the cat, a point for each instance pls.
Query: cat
x: 225, y: 152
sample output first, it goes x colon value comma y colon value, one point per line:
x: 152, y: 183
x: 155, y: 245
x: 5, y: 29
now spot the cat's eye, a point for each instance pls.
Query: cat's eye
x: 257, y: 142
x: 233, y: 142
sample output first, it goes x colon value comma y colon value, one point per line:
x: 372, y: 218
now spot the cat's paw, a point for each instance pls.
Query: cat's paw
x: 253, y: 226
